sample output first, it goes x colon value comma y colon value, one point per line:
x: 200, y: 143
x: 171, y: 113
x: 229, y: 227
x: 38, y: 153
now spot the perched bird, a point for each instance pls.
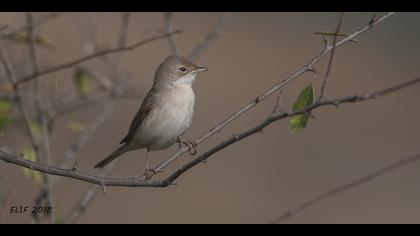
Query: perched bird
x: 166, y: 111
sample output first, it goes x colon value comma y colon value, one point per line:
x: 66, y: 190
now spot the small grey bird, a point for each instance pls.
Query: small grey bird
x: 166, y: 111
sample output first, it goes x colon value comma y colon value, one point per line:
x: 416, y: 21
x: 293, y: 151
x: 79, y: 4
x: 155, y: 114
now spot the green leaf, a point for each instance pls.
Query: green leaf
x: 30, y: 154
x: 82, y: 81
x: 305, y: 99
x: 23, y: 37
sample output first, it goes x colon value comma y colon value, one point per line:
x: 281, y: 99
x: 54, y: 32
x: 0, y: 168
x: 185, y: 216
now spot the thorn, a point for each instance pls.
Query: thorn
x: 336, y: 104
x: 203, y: 161
x: 104, y: 192
x: 326, y: 43
x: 257, y: 99
x: 312, y: 115
x: 372, y: 20
x: 261, y: 131
x: 74, y: 168
x: 174, y: 183
x: 234, y: 136
x: 313, y: 70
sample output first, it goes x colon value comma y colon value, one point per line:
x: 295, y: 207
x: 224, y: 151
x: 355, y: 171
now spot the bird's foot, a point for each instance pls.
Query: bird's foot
x: 191, y: 146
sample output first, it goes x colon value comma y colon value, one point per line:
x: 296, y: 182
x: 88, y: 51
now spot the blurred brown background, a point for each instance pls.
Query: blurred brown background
x: 256, y: 180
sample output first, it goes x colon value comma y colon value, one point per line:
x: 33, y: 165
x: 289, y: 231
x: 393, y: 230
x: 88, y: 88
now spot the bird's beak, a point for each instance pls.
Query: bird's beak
x: 201, y: 69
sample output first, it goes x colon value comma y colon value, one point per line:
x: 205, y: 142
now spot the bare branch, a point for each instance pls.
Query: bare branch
x: 125, y: 21
x: 282, y: 115
x: 16, y: 95
x: 87, y: 198
x: 168, y: 28
x: 330, y: 62
x: 74, y: 174
x: 345, y: 187
x: 214, y: 33
x: 39, y: 22
x: 44, y: 152
x: 140, y: 182
x: 269, y: 92
x: 93, y: 56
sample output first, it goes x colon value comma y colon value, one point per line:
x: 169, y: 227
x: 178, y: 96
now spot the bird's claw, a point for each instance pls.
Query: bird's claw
x: 191, y: 146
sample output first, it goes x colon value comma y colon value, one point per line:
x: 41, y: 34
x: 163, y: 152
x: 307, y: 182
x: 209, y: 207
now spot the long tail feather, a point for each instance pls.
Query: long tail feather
x: 112, y: 156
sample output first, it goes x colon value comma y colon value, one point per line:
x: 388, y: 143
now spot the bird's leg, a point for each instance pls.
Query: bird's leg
x: 148, y: 172
x: 179, y: 141
x: 190, y: 145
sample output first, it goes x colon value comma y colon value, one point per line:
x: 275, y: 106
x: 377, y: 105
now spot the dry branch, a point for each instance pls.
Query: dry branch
x: 140, y: 182
x: 92, y: 56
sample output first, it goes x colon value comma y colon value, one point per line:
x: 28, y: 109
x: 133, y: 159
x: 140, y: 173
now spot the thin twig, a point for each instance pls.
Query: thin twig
x: 168, y: 27
x: 93, y: 56
x: 38, y: 23
x: 308, y: 67
x: 11, y: 75
x: 125, y: 21
x: 282, y: 115
x: 92, y: 191
x: 345, y: 187
x: 212, y: 34
x: 116, y: 93
x: 87, y: 197
x: 44, y: 151
x: 330, y: 62
x: 141, y: 182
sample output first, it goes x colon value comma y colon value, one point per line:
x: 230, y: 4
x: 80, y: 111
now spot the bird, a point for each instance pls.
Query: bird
x: 165, y: 113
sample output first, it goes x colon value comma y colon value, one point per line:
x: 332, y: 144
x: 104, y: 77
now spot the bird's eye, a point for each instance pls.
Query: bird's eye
x: 182, y: 69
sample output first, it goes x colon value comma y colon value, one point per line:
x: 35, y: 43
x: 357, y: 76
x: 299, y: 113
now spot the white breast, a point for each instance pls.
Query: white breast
x: 169, y: 120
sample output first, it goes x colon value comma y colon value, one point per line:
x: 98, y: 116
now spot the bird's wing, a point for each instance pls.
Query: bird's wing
x: 144, y: 110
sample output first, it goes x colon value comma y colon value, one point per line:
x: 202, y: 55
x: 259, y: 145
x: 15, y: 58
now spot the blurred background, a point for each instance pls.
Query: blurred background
x: 257, y: 179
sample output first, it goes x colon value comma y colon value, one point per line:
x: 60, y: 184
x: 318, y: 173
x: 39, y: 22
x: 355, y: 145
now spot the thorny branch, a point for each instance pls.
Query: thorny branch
x: 308, y: 67
x: 140, y: 182
x: 90, y: 194
x: 103, y: 181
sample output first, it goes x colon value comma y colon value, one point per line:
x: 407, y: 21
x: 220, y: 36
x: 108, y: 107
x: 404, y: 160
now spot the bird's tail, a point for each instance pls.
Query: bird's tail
x: 112, y: 156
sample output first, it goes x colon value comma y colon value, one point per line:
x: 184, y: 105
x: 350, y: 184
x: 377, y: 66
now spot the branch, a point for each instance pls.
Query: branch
x: 38, y: 23
x: 345, y: 187
x: 11, y: 75
x: 282, y: 115
x: 88, y: 196
x: 93, y: 56
x: 168, y: 28
x: 44, y: 152
x: 214, y: 33
x: 308, y: 67
x: 140, y: 182
x: 75, y: 174
x: 330, y: 62
x: 125, y: 21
